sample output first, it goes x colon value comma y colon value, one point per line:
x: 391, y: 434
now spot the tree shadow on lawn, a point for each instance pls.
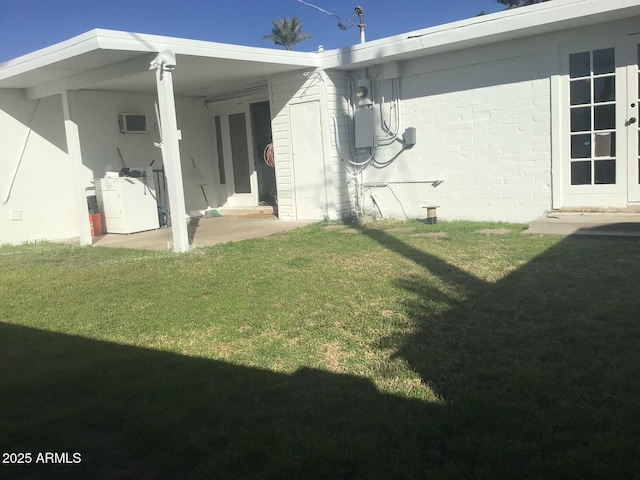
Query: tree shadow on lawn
x: 540, y: 371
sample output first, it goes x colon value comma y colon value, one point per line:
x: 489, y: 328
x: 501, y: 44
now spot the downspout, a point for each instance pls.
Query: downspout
x: 24, y: 149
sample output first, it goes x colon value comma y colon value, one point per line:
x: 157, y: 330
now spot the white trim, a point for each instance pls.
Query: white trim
x: 232, y: 198
x: 557, y: 140
x: 614, y: 195
x: 632, y: 53
x: 75, y: 155
x: 329, y: 185
x: 170, y: 147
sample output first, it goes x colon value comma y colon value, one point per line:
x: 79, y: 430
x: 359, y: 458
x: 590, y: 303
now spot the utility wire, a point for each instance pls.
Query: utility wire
x: 340, y: 24
x: 318, y: 8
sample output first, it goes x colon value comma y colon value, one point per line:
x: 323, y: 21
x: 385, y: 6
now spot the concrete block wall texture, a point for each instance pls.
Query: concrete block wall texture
x: 344, y: 193
x: 483, y: 131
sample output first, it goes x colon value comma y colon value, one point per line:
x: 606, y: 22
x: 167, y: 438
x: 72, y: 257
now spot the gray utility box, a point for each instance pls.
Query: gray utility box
x: 365, y: 123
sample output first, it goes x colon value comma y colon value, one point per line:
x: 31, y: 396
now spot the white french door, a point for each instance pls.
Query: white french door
x: 632, y: 120
x: 601, y: 140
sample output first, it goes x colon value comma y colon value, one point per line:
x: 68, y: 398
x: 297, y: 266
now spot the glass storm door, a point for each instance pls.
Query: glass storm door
x: 240, y: 173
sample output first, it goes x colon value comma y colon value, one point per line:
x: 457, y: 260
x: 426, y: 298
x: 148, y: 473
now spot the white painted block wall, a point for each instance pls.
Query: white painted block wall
x: 37, y: 198
x: 42, y: 194
x: 483, y: 125
x: 100, y: 138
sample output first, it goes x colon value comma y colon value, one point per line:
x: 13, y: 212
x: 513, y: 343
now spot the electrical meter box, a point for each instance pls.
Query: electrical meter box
x: 365, y: 127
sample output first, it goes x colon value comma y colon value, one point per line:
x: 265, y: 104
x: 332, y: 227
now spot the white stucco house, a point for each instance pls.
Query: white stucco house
x: 499, y: 117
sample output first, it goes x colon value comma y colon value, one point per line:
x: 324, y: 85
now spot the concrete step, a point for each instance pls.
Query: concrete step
x: 563, y: 223
x: 259, y: 211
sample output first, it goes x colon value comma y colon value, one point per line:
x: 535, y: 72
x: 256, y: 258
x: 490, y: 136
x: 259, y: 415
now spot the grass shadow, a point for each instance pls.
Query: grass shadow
x: 537, y: 374
x: 138, y: 413
x: 538, y: 370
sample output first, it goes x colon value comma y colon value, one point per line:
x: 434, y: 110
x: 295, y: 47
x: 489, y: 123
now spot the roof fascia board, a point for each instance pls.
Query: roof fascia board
x: 115, y: 40
x: 98, y: 39
x: 40, y: 58
x: 520, y: 22
x: 138, y: 64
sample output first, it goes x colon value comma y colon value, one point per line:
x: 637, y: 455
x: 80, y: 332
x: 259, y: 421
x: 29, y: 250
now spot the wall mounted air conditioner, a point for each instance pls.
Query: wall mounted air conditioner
x: 133, y: 123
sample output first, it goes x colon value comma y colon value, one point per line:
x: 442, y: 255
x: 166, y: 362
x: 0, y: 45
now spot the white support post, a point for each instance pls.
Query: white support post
x: 75, y: 156
x: 164, y: 64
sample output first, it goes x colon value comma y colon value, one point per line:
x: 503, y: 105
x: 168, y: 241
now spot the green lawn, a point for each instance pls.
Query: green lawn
x: 320, y: 353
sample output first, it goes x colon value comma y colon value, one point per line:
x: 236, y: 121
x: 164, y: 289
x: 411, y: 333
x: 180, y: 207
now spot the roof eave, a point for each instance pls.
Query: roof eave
x: 510, y: 24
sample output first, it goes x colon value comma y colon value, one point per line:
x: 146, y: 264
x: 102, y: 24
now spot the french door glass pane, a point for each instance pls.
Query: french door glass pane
x: 605, y: 171
x: 604, y: 117
x: 604, y: 61
x: 581, y: 173
x: 219, y: 149
x: 240, y: 152
x: 604, y: 89
x: 581, y: 146
x: 579, y: 65
x: 581, y: 92
x: 581, y: 119
x: 605, y: 144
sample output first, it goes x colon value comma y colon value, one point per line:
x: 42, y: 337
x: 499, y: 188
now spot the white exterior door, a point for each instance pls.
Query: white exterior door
x: 600, y: 124
x: 632, y: 120
x: 308, y: 161
x: 241, y: 180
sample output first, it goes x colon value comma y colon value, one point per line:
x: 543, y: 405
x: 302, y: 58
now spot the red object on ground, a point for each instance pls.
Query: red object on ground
x: 95, y: 220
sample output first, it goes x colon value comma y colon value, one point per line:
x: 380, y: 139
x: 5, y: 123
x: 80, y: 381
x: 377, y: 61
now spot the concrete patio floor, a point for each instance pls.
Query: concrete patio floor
x: 202, y: 232
x: 607, y: 224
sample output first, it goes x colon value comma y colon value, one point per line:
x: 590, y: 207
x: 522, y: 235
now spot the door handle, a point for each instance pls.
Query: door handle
x: 631, y: 121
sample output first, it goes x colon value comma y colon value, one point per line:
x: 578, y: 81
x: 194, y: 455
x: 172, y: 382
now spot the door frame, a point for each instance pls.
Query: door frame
x: 626, y: 191
x: 323, y: 204
x: 632, y: 111
x: 605, y: 195
x: 234, y: 199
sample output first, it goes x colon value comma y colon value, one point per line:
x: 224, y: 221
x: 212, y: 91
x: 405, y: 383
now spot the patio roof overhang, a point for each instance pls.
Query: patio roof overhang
x: 119, y: 61
x: 144, y: 64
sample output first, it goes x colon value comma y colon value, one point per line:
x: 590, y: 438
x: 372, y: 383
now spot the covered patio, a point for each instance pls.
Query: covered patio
x: 103, y: 73
x: 203, y: 232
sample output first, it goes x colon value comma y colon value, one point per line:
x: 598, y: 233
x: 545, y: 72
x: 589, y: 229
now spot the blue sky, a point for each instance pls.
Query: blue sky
x: 27, y: 25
